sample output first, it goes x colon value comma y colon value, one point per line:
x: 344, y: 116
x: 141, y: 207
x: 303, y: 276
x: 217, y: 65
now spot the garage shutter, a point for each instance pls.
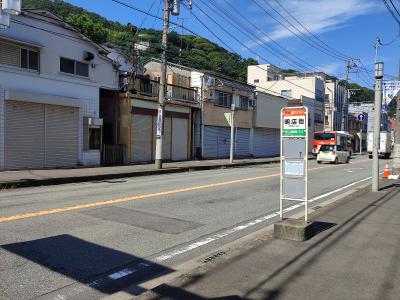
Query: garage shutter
x: 40, y: 136
x: 266, y: 142
x: 242, y: 142
x: 141, y: 137
x: 179, y: 139
x: 62, y: 129
x: 24, y: 135
x: 216, y: 142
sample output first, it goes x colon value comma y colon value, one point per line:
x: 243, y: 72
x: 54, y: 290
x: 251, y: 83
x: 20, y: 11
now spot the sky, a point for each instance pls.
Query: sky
x: 306, y: 35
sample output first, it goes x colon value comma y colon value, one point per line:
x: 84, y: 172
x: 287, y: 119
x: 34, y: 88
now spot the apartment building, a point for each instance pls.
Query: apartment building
x: 335, y: 100
x: 292, y: 86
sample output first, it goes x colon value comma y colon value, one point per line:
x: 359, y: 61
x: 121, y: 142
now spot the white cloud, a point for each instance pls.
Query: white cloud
x: 318, y: 16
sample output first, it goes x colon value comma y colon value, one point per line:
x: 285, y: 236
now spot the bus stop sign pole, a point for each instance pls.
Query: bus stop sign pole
x: 294, y: 157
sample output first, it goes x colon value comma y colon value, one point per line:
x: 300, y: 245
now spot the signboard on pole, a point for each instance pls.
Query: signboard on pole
x: 294, y: 156
x: 228, y: 117
x: 159, y: 125
x: 390, y: 90
x: 294, y: 123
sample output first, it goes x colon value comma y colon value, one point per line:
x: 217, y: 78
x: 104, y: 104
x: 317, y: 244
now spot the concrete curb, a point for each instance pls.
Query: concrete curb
x: 79, y: 179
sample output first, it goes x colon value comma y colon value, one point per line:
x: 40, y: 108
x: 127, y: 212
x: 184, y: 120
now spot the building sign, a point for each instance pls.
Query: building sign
x: 159, y: 122
x: 294, y: 122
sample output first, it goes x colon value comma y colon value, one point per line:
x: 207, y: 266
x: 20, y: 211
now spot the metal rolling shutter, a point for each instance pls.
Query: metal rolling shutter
x: 242, y: 142
x: 266, y: 142
x: 216, y: 142
x: 141, y: 137
x: 9, y: 54
x: 24, y: 135
x: 179, y: 139
x: 62, y: 136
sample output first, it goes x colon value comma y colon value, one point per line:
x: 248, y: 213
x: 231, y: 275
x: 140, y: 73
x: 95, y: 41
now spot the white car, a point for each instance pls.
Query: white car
x: 333, y: 154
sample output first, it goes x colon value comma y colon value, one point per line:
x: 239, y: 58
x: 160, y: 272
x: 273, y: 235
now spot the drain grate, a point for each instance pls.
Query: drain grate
x: 213, y: 257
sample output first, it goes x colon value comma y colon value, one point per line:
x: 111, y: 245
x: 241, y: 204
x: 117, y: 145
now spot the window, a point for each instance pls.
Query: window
x: 286, y: 93
x: 256, y: 80
x: 223, y: 99
x: 244, y: 103
x: 74, y: 67
x: 14, y: 55
x: 29, y: 59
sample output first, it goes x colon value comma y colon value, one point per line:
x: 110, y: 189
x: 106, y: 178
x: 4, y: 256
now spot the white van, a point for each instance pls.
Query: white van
x: 333, y: 154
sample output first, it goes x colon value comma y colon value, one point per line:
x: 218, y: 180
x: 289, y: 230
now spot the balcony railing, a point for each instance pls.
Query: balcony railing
x: 150, y: 88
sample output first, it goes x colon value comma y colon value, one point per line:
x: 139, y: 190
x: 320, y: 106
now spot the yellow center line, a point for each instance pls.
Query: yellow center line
x: 140, y: 197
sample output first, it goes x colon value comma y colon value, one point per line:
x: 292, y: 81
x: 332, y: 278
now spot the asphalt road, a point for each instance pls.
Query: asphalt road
x: 85, y: 240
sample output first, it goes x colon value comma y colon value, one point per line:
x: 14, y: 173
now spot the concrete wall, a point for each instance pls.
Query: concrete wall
x: 268, y: 110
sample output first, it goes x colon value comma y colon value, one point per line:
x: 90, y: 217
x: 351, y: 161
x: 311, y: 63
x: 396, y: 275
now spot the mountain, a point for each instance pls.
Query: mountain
x: 196, y: 52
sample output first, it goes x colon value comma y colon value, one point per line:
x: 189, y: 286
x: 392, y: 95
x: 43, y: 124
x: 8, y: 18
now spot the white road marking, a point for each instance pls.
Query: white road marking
x: 128, y: 271
x: 247, y: 225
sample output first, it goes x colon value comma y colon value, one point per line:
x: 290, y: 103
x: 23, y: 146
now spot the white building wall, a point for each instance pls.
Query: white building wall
x: 268, y: 110
x: 50, y: 81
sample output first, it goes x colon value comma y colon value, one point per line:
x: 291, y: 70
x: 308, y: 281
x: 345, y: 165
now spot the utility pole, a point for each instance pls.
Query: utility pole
x: 162, y: 88
x: 232, y: 133
x: 133, y: 30
x: 347, y: 98
x: 377, y: 125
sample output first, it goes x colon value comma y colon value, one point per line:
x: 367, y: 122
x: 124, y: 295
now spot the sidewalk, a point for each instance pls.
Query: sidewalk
x: 356, y: 257
x: 25, y: 178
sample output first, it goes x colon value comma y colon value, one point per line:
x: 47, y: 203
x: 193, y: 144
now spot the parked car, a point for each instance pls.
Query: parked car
x: 333, y: 154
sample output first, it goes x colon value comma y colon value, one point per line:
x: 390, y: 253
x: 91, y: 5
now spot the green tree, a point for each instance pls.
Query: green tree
x: 84, y: 24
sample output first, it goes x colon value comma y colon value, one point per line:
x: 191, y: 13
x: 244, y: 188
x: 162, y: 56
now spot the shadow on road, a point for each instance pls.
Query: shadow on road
x: 96, y: 266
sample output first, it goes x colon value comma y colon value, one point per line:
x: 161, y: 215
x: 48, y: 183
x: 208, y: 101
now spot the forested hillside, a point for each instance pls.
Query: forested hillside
x: 196, y: 52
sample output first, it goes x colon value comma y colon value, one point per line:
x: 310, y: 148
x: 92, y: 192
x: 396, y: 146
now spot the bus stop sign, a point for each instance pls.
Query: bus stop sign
x: 294, y: 156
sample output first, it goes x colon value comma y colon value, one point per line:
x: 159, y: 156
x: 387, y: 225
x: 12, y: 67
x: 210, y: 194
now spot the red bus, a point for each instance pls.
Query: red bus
x: 341, y: 138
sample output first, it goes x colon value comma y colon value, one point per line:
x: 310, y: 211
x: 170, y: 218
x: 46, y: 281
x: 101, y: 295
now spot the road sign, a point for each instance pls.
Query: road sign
x: 294, y: 156
x: 361, y: 117
x: 228, y: 117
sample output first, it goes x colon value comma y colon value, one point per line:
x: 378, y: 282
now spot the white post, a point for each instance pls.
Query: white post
x: 232, y: 132
x: 377, y: 125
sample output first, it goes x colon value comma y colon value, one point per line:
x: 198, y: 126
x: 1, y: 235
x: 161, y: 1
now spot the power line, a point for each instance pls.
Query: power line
x: 247, y: 31
x: 312, y: 43
x: 276, y: 49
x: 305, y: 28
x: 230, y: 34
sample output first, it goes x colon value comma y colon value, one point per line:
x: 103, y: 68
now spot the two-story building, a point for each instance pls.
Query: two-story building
x: 51, y: 79
x: 293, y: 86
x: 138, y: 109
x: 211, y: 127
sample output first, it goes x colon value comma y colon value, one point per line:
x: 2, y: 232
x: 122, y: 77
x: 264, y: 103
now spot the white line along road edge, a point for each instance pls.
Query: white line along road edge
x: 249, y: 224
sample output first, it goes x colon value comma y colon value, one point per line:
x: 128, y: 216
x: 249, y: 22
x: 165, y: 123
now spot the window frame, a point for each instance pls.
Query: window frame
x: 28, y: 58
x: 75, y: 68
x: 226, y: 97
